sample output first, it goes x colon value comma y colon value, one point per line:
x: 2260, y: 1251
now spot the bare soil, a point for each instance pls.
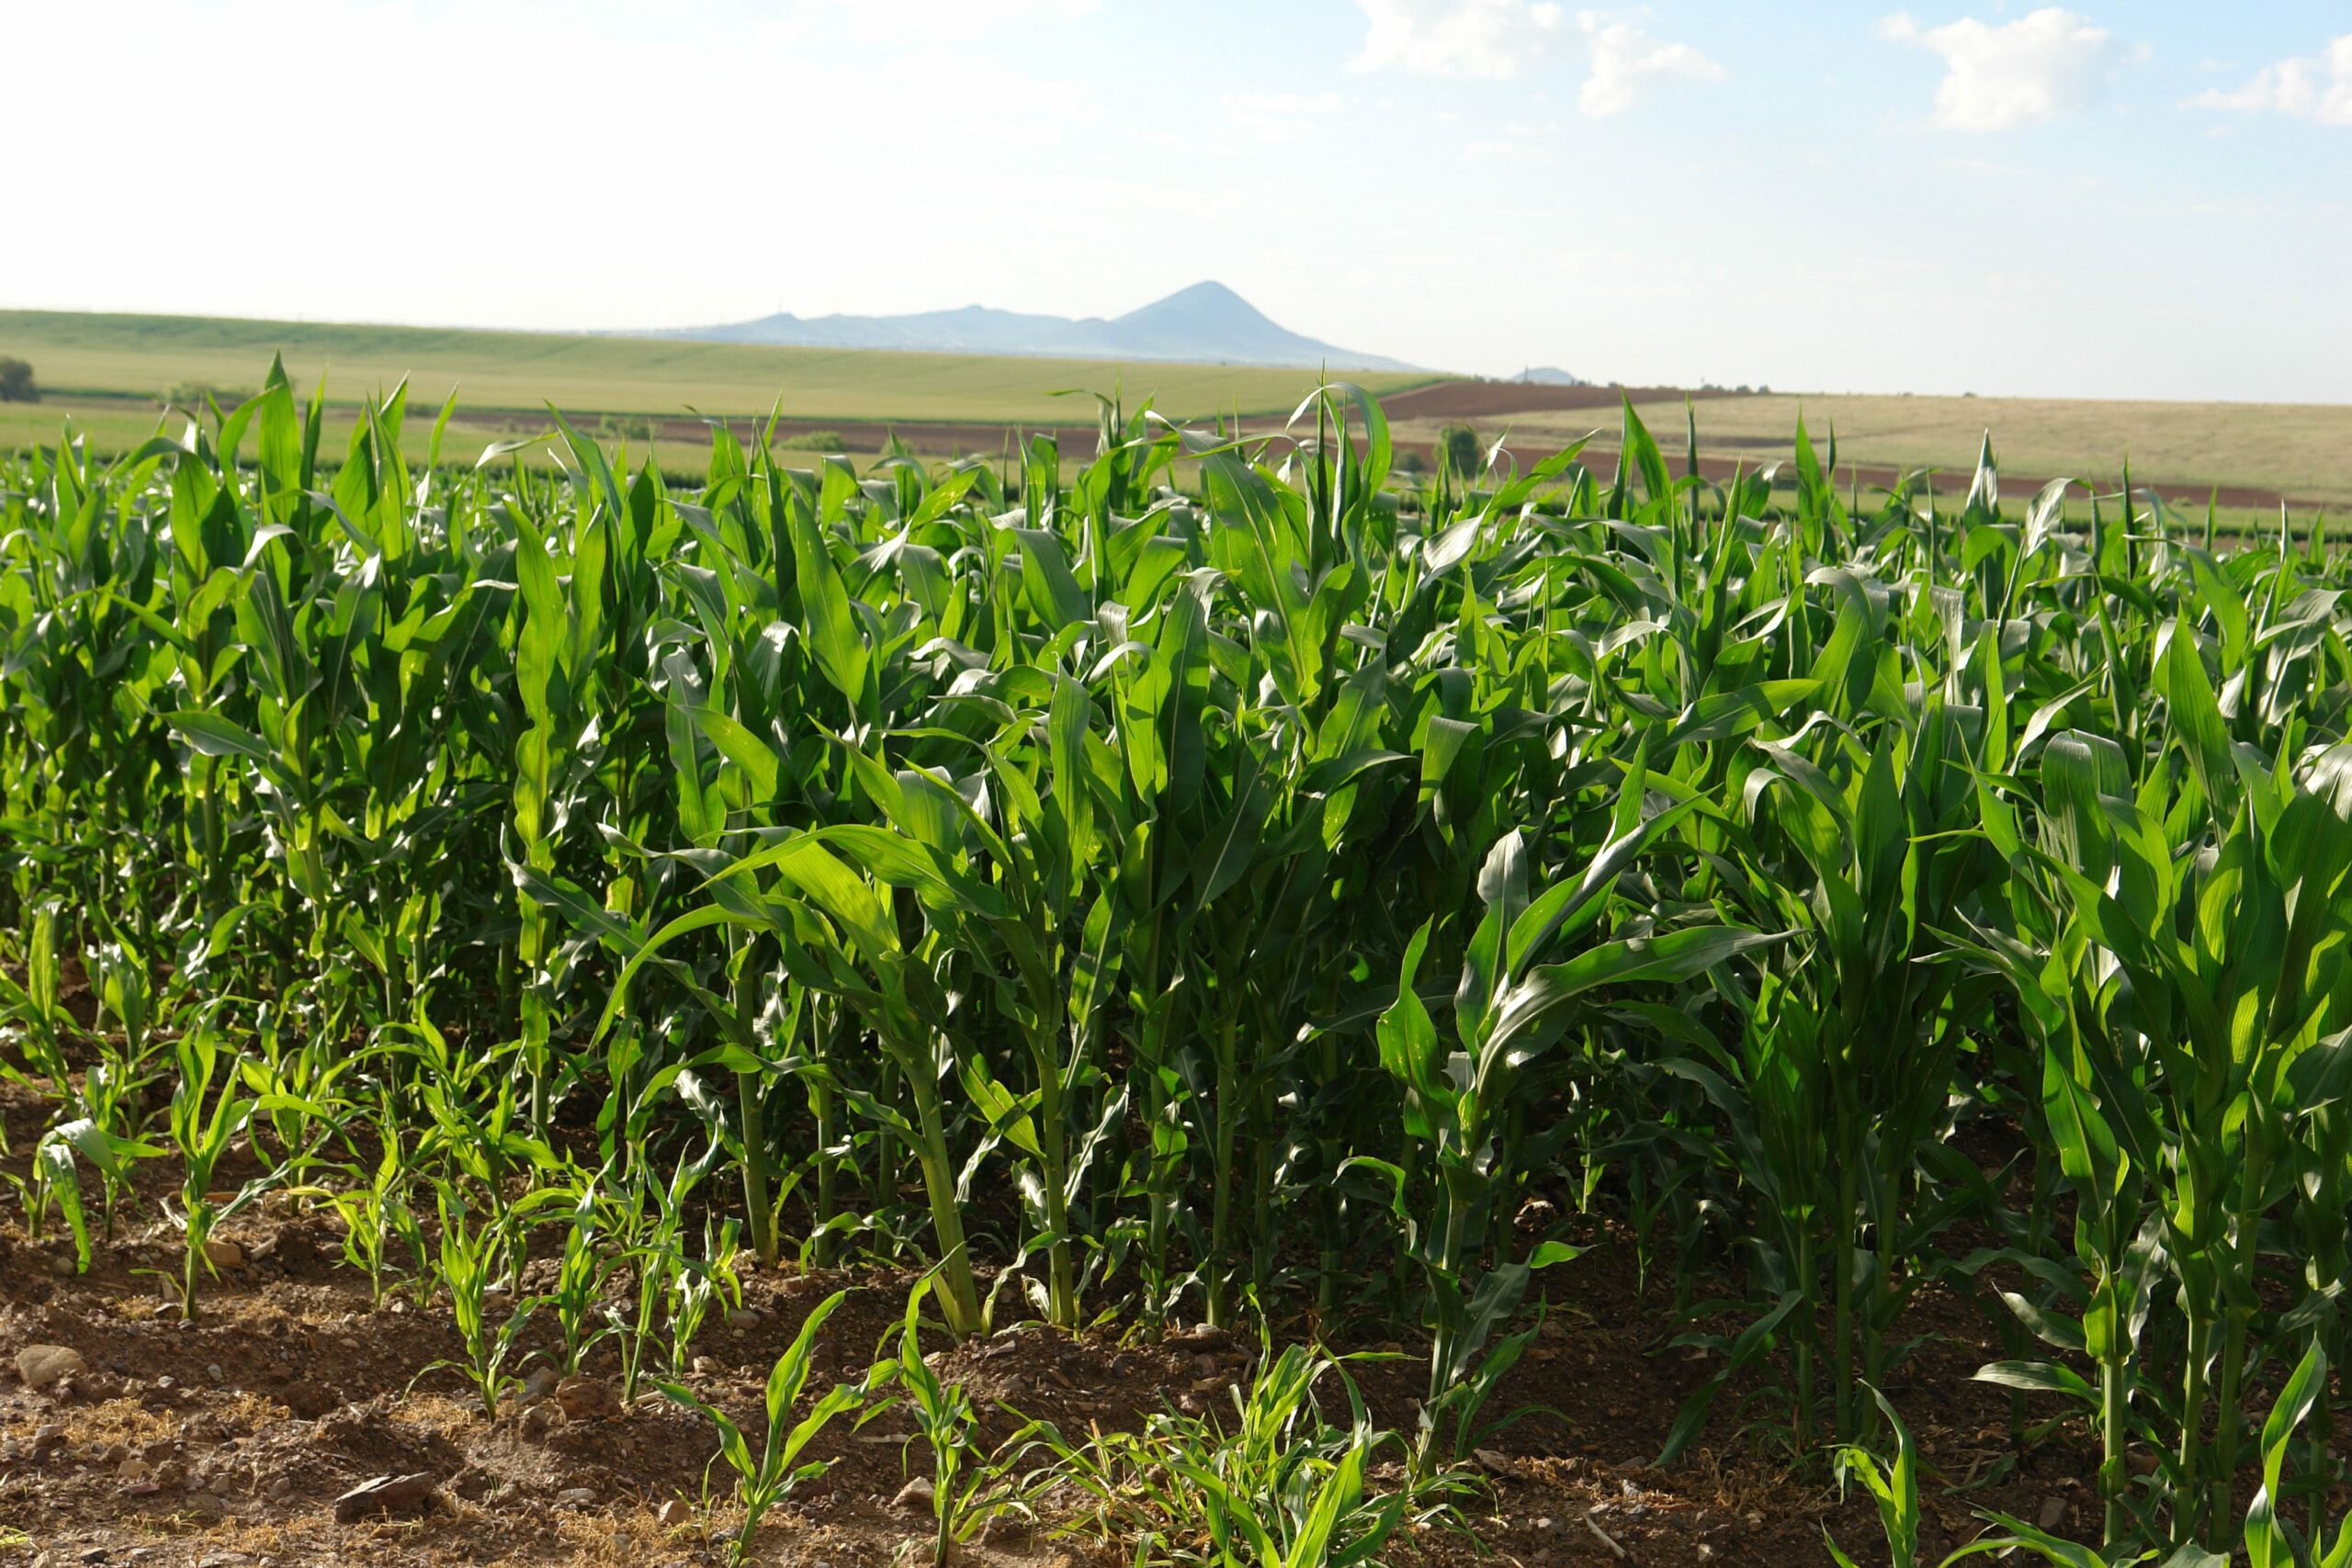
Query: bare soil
x: 1492, y: 399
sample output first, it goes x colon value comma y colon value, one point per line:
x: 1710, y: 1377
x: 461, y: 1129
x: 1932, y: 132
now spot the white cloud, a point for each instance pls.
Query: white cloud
x: 1495, y: 37
x: 2045, y: 64
x: 922, y: 23
x: 1277, y: 117
x: 1456, y: 38
x: 1625, y: 61
x: 2318, y: 90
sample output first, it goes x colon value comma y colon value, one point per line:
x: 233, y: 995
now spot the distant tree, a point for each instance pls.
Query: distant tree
x: 1458, y: 448
x: 16, y: 384
x: 194, y: 395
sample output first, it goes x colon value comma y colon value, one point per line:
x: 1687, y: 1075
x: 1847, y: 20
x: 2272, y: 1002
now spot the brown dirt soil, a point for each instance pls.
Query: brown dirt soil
x: 224, y: 1443
x: 1491, y: 399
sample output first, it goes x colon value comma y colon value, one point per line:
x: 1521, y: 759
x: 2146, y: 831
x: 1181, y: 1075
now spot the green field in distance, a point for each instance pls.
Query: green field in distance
x: 79, y: 356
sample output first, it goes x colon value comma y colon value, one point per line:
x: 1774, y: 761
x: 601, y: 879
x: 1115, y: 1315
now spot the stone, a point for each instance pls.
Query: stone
x: 914, y: 1498
x: 386, y: 1494
x: 2054, y: 1512
x: 41, y: 1365
x: 675, y: 1512
x: 741, y: 1318
x: 223, y: 1254
x: 576, y: 1497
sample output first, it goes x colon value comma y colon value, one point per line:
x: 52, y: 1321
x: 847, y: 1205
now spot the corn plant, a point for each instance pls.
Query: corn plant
x: 1508, y: 1007
x: 55, y: 1178
x: 2270, y: 1541
x: 762, y: 1481
x: 1286, y: 880
x: 472, y: 1253
x: 1272, y: 1483
x: 1893, y: 1485
x: 948, y: 1425
x: 373, y: 1209
x: 204, y: 1120
x: 694, y: 1285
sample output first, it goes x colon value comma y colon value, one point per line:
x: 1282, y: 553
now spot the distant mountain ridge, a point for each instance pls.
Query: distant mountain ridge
x: 1206, y: 324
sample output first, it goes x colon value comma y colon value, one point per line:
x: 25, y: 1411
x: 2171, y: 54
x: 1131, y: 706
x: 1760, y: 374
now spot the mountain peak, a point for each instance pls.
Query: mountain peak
x: 1203, y: 306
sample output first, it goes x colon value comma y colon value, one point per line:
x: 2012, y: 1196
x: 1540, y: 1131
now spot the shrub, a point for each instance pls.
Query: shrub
x: 1457, y: 446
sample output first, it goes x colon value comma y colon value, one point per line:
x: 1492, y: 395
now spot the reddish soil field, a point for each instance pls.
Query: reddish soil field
x: 1492, y: 399
x: 226, y: 1442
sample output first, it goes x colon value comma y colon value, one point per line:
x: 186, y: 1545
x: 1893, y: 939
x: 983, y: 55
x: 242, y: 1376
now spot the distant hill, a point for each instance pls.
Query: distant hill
x: 1548, y: 375
x: 1206, y: 324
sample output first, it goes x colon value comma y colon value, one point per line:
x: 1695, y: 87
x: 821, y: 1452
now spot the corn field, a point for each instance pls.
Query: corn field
x: 1280, y: 895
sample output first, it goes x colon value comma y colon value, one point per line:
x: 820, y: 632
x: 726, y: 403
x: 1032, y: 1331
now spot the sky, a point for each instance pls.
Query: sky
x: 2137, y: 200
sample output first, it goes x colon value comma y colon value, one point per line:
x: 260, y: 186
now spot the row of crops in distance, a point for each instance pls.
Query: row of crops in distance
x: 1126, y: 905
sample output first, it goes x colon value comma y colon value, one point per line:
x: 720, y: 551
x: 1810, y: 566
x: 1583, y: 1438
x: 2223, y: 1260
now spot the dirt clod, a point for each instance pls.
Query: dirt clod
x: 587, y: 1399
x: 41, y: 1365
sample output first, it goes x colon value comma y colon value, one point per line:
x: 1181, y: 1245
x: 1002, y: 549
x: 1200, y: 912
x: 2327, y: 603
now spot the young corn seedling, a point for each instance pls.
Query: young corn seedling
x: 472, y: 1254
x: 1893, y: 1485
x: 696, y: 1285
x: 56, y: 1178
x: 39, y: 1024
x: 374, y: 1212
x: 946, y: 1423
x: 582, y: 1272
x: 762, y: 1481
x: 1271, y: 1483
x: 203, y: 1123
